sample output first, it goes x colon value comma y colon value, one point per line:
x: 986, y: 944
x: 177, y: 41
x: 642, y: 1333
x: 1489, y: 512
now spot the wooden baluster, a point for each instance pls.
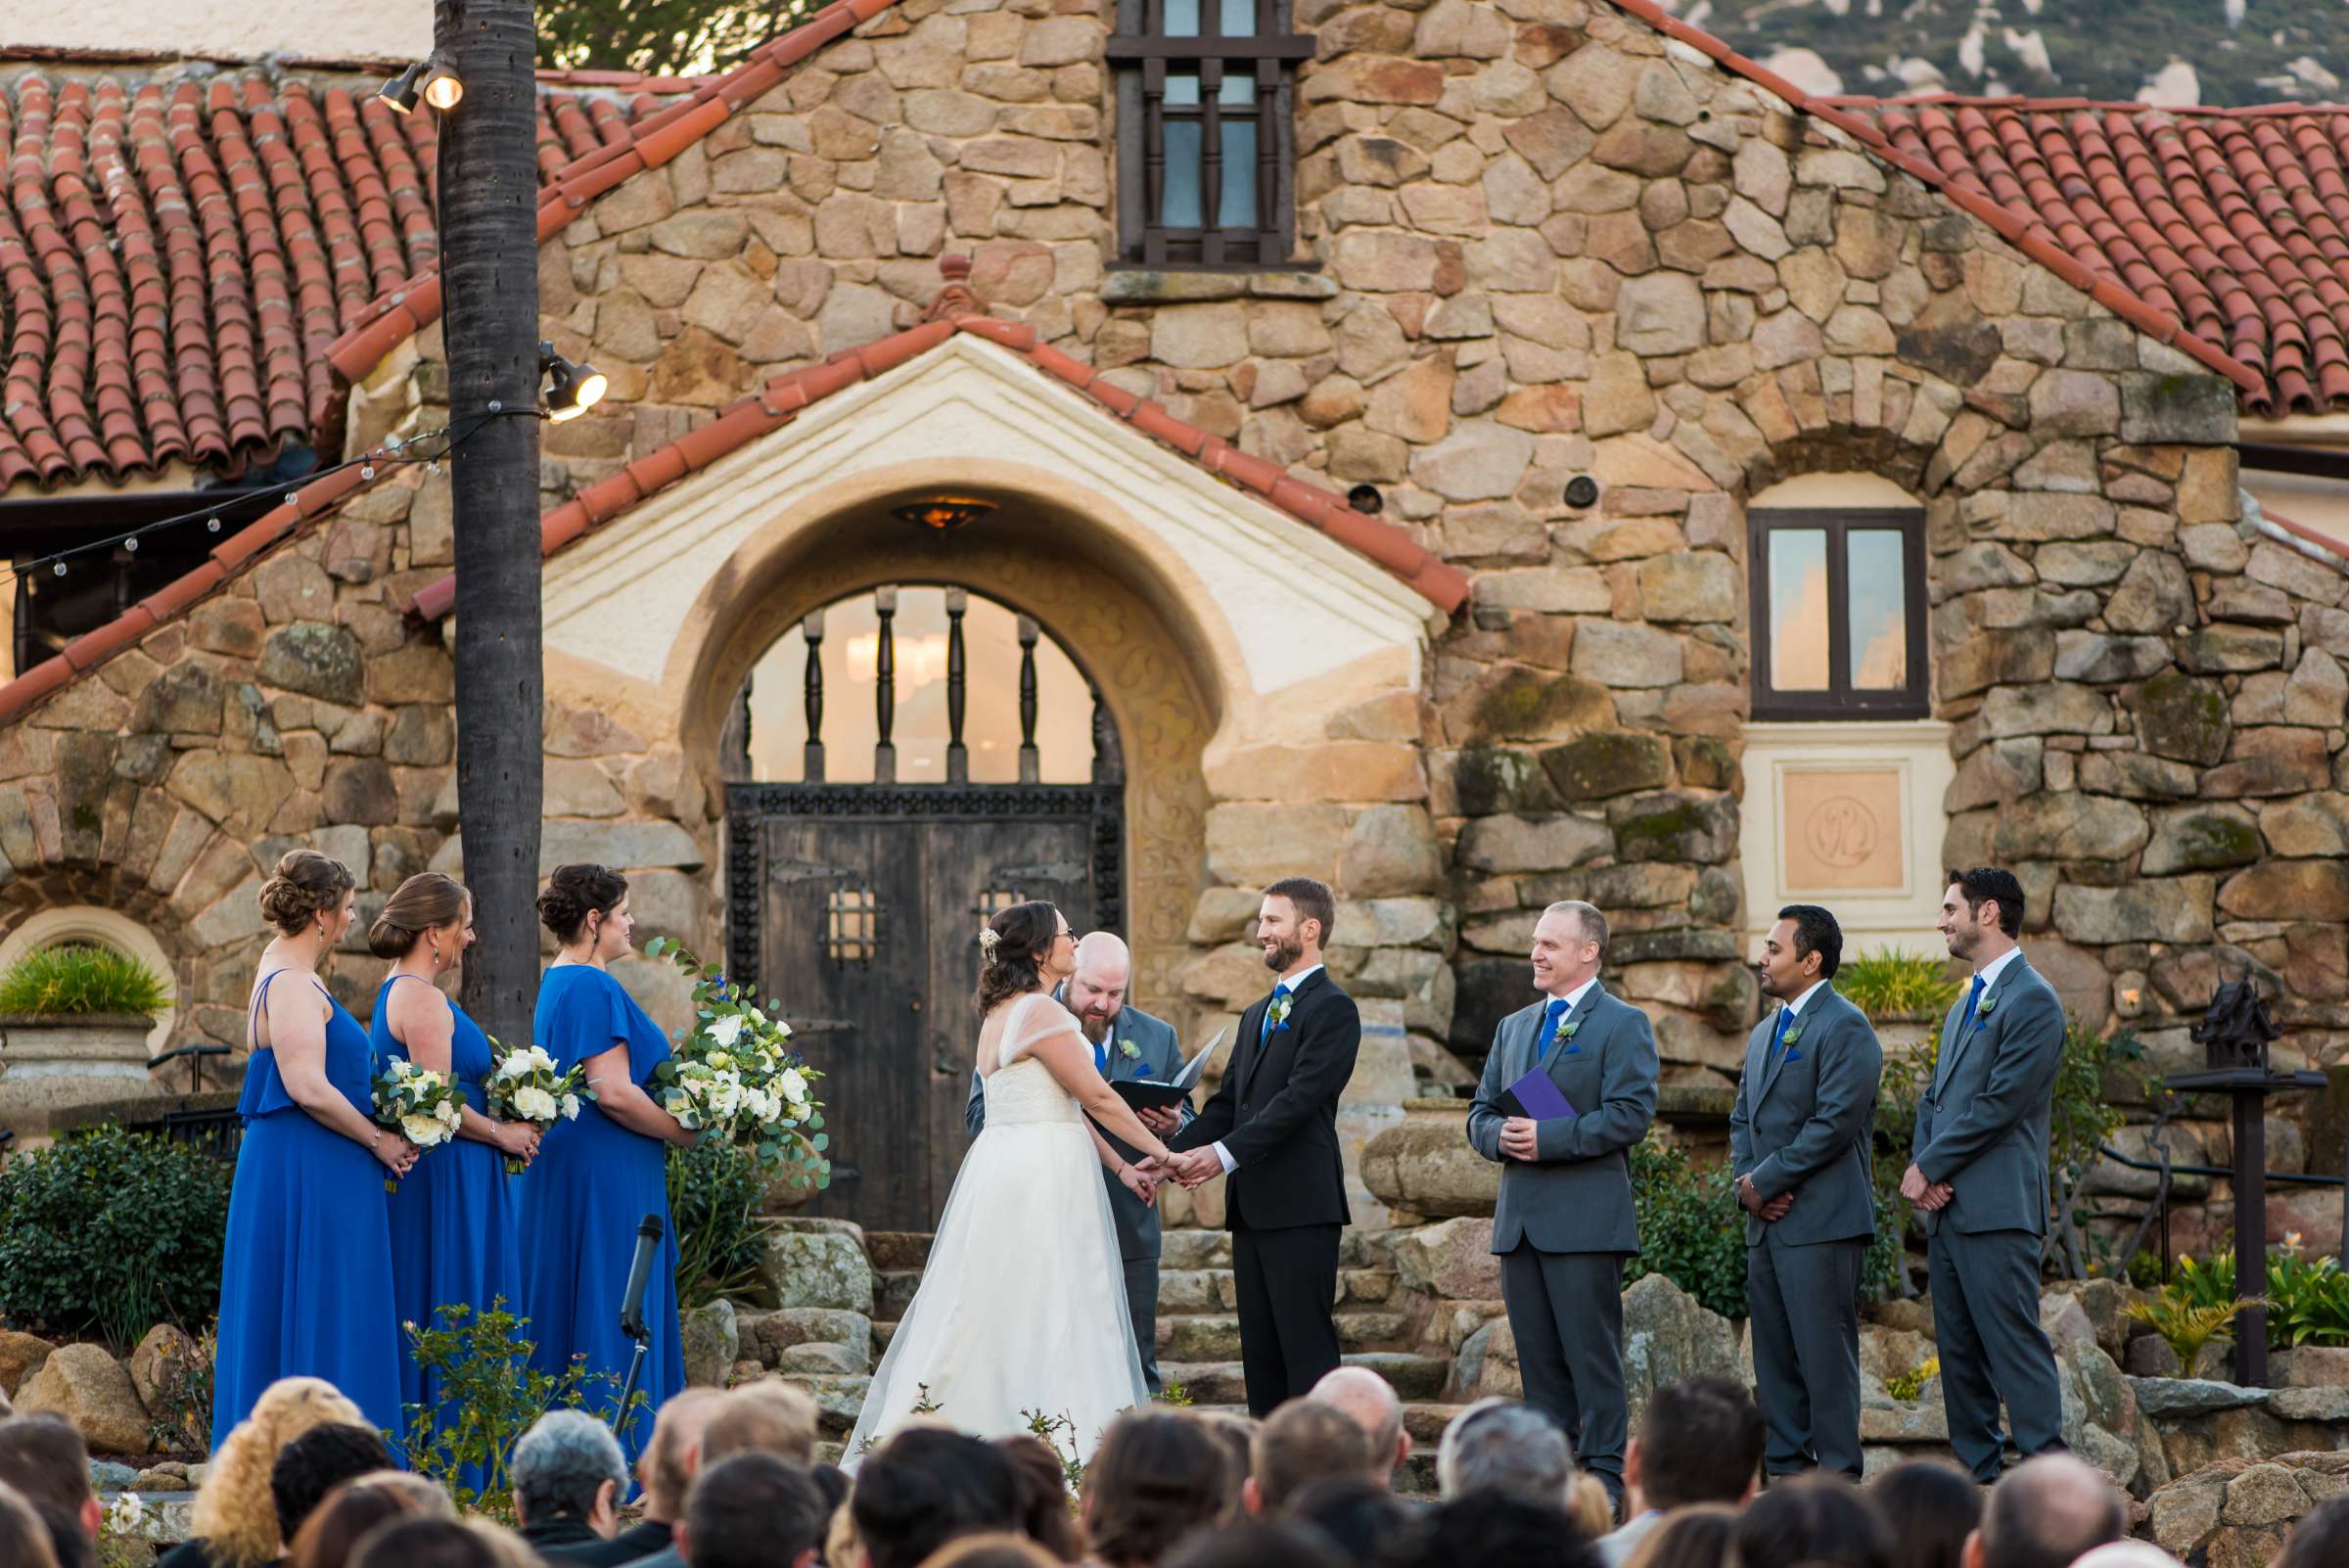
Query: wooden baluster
x: 959, y: 757
x: 812, y: 630
x: 885, y: 688
x: 1109, y: 761
x: 1028, y: 771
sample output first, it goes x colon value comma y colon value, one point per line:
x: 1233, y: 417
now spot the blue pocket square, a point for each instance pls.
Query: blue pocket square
x: 1573, y: 1050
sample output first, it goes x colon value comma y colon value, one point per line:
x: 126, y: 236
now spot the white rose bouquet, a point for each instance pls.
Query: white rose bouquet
x: 524, y: 1086
x: 737, y: 1077
x: 416, y: 1103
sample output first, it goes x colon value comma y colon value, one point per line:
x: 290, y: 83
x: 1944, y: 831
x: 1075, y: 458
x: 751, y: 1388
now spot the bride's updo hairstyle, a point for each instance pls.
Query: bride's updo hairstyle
x: 426, y: 902
x: 304, y: 884
x: 575, y: 891
x: 1010, y: 947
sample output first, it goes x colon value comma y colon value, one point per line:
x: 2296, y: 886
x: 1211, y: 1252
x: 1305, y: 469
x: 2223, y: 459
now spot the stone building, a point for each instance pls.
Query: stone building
x: 1574, y: 464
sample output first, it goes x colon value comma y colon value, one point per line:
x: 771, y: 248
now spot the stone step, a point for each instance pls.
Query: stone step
x: 898, y: 1249
x: 1216, y: 1336
x: 892, y: 1293
x: 1215, y: 1290
x: 1415, y: 1377
x: 1194, y: 1249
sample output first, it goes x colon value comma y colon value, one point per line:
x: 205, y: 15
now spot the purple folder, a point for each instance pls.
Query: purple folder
x: 1536, y: 1095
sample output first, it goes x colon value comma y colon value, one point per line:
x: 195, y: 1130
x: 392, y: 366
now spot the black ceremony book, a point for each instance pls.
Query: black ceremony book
x: 1157, y: 1094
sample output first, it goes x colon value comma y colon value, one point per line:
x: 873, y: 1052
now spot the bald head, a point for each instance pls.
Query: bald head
x: 1096, y: 992
x: 2046, y: 1513
x: 1370, y: 1402
x: 670, y: 1460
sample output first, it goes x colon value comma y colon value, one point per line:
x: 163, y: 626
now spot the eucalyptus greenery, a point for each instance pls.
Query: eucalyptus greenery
x: 713, y: 1194
x: 81, y: 980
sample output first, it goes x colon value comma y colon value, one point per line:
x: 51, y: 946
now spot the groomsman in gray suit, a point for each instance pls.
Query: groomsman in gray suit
x: 1564, y: 1223
x: 1799, y: 1145
x: 1127, y: 1044
x: 1979, y: 1175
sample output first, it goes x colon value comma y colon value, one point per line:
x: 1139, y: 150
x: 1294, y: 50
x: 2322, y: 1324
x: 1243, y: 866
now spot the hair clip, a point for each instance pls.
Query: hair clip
x: 988, y: 940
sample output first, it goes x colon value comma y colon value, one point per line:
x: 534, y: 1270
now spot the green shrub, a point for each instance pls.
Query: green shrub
x: 2308, y: 1301
x: 1906, y: 1386
x: 715, y: 1189
x: 1691, y: 1231
x: 79, y: 980
x: 111, y: 1232
x: 1896, y: 986
x: 2187, y: 1325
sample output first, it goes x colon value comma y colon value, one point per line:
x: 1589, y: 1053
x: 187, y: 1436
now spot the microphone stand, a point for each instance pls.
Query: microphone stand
x: 631, y: 1317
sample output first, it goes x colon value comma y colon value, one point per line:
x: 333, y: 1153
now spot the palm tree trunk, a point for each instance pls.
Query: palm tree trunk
x: 488, y: 189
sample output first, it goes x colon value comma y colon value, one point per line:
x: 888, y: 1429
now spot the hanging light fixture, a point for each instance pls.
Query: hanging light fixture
x: 944, y: 514
x: 571, y: 389
x: 403, y: 91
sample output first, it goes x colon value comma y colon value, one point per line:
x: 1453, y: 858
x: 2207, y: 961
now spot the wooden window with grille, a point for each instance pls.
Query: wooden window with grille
x: 1206, y: 145
x: 1838, y: 613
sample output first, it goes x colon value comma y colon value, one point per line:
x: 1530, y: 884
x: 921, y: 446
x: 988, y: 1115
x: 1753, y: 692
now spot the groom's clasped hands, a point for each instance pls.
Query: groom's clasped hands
x: 1189, y: 1169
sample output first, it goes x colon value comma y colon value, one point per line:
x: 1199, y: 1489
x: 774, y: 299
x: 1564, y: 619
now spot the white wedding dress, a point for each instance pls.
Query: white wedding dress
x: 1022, y: 1307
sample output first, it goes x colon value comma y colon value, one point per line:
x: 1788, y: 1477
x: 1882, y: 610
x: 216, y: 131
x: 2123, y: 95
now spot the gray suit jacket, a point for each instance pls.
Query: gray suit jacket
x: 1575, y: 1193
x: 1983, y: 1124
x: 1156, y: 1054
x: 1804, y: 1125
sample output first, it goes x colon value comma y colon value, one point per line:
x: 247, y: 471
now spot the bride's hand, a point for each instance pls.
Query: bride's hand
x: 1141, y: 1183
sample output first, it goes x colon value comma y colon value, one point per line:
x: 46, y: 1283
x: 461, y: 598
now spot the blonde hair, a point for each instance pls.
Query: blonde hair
x: 769, y: 1416
x: 235, y: 1515
x: 1588, y: 1503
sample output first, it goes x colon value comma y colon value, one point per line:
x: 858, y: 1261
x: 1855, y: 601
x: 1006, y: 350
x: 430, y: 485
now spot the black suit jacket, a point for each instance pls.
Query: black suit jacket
x: 571, y: 1544
x: 1277, y: 1112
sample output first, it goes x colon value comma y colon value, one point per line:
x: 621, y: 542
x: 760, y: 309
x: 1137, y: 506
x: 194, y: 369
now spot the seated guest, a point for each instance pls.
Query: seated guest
x: 1156, y: 1478
x: 1932, y: 1507
x: 23, y: 1538
x: 752, y: 1510
x: 568, y: 1474
x: 233, y: 1522
x: 415, y: 1542
x: 1693, y: 1537
x: 1817, y: 1521
x: 2320, y: 1538
x: 769, y: 1416
x: 317, y: 1462
x: 832, y: 1482
x: 46, y: 1460
x: 1371, y: 1402
x: 2135, y: 1554
x: 1361, y: 1518
x: 664, y: 1469
x: 1489, y: 1527
x: 1259, y: 1543
x: 1044, y: 1516
x: 1502, y: 1445
x: 2047, y: 1512
x: 1235, y: 1435
x: 992, y: 1551
x: 354, y: 1508
x: 1699, y: 1441
x: 925, y: 1486
x: 1303, y: 1440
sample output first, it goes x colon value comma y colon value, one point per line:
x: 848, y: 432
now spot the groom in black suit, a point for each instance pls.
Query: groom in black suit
x: 1271, y: 1127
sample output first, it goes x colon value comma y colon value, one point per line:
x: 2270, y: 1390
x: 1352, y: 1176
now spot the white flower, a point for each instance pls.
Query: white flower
x: 794, y: 1085
x: 571, y: 1107
x: 423, y: 1131
x: 721, y: 1059
x: 726, y: 1030
x: 447, y: 1113
x: 126, y: 1514
x: 533, y: 1104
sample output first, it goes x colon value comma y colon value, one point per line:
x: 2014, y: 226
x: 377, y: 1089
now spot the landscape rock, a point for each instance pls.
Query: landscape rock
x: 90, y: 1389
x: 711, y: 1342
x: 815, y: 1267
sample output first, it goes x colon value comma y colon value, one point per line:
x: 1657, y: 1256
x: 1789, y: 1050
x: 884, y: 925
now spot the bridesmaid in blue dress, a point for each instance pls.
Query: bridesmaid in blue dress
x: 455, y: 1221
x: 597, y: 1177
x: 305, y: 1281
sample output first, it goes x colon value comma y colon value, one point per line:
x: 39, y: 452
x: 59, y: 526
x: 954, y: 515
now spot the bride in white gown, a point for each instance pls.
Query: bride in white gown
x: 1022, y: 1307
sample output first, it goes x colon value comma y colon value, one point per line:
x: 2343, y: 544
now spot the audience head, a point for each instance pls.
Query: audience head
x: 2135, y: 1554
x: 416, y: 1541
x: 1235, y: 1436
x: 2045, y: 1513
x: 1500, y: 1444
x: 769, y: 1416
x: 2320, y: 1538
x: 752, y: 1510
x: 46, y: 1460
x: 1700, y: 1441
x: 1818, y: 1520
x: 353, y: 1510
x: 1044, y: 1516
x: 23, y: 1538
x: 1695, y: 1535
x: 993, y: 1552
x: 1497, y: 1526
x: 927, y: 1486
x: 1931, y: 1508
x: 1155, y: 1477
x: 317, y: 1462
x: 1256, y: 1544
x: 1371, y: 1400
x: 669, y: 1459
x: 1303, y: 1440
x: 1361, y: 1518
x: 569, y: 1467
x: 235, y: 1516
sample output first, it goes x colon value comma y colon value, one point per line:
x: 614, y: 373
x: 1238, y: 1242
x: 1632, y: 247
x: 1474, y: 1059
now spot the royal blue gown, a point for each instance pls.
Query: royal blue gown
x: 592, y: 1186
x: 305, y: 1283
x: 456, y: 1224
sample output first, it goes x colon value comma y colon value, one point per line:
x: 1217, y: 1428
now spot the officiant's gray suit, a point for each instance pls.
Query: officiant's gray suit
x: 1155, y: 1054
x: 1981, y: 1128
x: 1564, y: 1222
x: 1802, y: 1124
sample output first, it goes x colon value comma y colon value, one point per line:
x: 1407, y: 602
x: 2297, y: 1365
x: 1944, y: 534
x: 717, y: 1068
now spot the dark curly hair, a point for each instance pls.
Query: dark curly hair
x: 304, y: 884
x: 1028, y: 932
x: 1157, y: 1477
x: 574, y: 892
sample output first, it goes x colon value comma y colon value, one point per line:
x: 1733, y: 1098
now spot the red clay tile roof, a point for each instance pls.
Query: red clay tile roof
x: 2233, y: 221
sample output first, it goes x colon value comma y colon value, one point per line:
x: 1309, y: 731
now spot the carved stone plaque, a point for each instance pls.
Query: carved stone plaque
x: 1843, y: 831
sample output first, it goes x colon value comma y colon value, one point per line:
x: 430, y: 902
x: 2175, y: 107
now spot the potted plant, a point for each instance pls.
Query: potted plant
x: 1904, y: 994
x: 74, y: 1026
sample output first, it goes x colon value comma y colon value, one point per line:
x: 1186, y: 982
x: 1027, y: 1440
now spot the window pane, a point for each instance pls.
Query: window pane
x: 1798, y: 609
x: 1239, y: 18
x: 1875, y: 581
x: 1239, y: 86
x: 1235, y: 201
x: 1182, y: 89
x: 1182, y: 18
x: 1180, y: 209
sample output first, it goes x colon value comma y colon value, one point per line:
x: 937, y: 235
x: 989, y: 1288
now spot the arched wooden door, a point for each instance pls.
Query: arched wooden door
x: 932, y: 734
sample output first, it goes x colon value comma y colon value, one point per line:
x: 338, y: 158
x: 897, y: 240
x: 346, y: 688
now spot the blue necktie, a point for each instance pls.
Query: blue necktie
x: 1972, y: 996
x: 1552, y: 1017
x: 1280, y: 994
x: 1777, y: 1037
x: 1101, y: 1057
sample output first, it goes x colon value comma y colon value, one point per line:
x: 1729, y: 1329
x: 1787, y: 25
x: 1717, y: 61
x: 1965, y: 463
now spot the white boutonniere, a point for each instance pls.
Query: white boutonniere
x: 1129, y: 1050
x: 1279, y: 1010
x: 1982, y: 1010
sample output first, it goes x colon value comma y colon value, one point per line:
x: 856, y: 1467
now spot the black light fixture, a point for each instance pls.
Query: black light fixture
x: 571, y: 389
x: 1366, y: 499
x: 431, y: 79
x: 403, y: 91
x: 1581, y: 490
x: 944, y: 514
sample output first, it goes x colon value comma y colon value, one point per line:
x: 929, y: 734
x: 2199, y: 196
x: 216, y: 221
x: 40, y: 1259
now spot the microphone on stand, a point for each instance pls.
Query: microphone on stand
x: 632, y: 1314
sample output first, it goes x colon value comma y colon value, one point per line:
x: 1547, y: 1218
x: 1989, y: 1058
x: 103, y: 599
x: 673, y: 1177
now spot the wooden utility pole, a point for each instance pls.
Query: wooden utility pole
x: 489, y: 188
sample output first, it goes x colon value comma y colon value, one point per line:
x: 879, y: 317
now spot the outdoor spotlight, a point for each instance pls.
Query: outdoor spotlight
x: 443, y: 88
x: 402, y: 90
x: 1581, y: 490
x: 943, y: 513
x: 1366, y: 499
x: 571, y: 389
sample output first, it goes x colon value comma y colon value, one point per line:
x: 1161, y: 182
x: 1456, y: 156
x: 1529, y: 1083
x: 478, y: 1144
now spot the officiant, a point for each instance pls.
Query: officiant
x: 1127, y: 1044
